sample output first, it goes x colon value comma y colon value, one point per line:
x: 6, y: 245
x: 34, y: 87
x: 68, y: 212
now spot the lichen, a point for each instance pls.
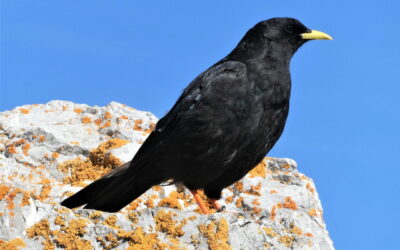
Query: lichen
x: 99, y: 162
x: 289, y: 203
x: 259, y: 170
x: 166, y: 223
x: 286, y: 240
x: 14, y: 244
x: 217, y: 234
x: 270, y: 232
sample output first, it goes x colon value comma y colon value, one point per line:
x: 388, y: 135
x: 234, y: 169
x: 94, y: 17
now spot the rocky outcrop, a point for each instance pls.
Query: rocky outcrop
x: 49, y: 151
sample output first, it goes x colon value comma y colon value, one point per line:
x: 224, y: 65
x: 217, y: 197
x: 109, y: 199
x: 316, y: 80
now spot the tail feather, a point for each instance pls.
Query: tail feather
x: 115, y: 190
x: 86, y: 194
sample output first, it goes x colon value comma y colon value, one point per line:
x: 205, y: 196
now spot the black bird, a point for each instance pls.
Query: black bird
x: 222, y: 125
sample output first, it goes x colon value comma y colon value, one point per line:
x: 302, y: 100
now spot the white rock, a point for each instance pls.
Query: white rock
x: 274, y: 206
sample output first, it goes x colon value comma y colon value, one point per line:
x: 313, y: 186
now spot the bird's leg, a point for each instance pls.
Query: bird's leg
x: 199, y: 201
x: 216, y: 205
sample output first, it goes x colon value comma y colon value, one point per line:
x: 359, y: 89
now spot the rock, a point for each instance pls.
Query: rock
x: 49, y: 151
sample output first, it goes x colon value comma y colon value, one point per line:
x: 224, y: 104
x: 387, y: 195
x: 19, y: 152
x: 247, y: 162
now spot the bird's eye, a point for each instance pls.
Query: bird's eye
x: 289, y: 29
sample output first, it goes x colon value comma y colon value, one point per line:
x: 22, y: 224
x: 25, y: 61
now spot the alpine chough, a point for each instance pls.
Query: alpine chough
x: 222, y: 125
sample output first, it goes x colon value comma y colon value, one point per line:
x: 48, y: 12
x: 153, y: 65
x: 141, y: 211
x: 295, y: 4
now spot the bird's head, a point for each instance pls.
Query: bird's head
x: 286, y: 34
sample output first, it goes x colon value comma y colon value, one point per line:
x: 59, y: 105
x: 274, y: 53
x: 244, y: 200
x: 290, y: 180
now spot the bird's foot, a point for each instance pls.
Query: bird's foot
x: 217, y: 206
x: 202, y: 206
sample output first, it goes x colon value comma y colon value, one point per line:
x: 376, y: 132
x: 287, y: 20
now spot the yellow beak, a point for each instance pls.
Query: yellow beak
x: 316, y: 35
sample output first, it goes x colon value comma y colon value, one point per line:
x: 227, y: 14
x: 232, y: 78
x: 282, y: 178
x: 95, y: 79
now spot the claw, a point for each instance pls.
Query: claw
x: 217, y: 206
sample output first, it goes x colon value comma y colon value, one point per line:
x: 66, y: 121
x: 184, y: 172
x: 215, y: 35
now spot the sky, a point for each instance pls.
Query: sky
x: 344, y: 117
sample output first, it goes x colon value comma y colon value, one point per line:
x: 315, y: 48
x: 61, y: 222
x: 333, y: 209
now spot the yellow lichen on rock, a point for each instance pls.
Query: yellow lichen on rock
x: 166, y: 223
x: 270, y: 232
x: 14, y: 244
x: 259, y: 170
x: 42, y: 228
x: 99, y: 162
x: 45, y: 192
x: 4, y: 191
x: 172, y: 201
x: 139, y: 240
x: 217, y: 234
x: 287, y: 240
x: 68, y: 237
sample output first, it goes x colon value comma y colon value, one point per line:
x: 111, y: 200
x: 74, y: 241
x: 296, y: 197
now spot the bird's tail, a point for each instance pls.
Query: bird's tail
x: 114, y: 190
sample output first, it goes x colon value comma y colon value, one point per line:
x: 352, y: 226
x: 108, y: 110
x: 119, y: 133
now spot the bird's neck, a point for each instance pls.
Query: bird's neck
x: 269, y: 56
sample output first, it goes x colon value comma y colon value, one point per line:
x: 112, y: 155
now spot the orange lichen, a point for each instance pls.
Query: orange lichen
x: 59, y: 220
x: 24, y: 111
x: 95, y: 216
x: 4, y: 191
x: 239, y: 202
x: 229, y: 199
x: 259, y: 170
x: 106, y: 124
x: 55, y: 155
x: 10, y: 199
x: 25, y: 148
x: 111, y: 221
x: 273, y: 213
x: 139, y: 240
x: 78, y: 110
x: 42, y: 228
x: 138, y: 124
x: 45, y: 192
x: 11, y: 149
x: 97, y: 122
x: 217, y: 234
x: 254, y: 190
x: 310, y: 188
x: 313, y: 212
x: 309, y: 235
x: 256, y: 210
x: 239, y: 186
x: 86, y: 120
x: 165, y: 223
x: 171, y: 201
x: 151, y: 127
x: 112, y: 240
x: 99, y: 163
x: 70, y: 236
x: 42, y: 138
x: 13, y: 244
x: 149, y: 203
x: 296, y: 230
x: 123, y: 117
x: 270, y: 232
x: 289, y: 203
x: 272, y: 191
x: 107, y: 115
x: 256, y: 202
x: 287, y: 240
x: 133, y: 205
x: 25, y: 198
x: 113, y: 143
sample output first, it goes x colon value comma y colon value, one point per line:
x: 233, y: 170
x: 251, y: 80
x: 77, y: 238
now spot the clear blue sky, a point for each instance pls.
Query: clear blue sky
x: 343, y: 127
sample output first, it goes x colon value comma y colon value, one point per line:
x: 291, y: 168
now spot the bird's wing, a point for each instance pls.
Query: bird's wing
x: 201, y: 117
x: 203, y: 122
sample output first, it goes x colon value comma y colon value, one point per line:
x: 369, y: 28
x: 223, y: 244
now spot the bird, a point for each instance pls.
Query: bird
x: 222, y: 125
